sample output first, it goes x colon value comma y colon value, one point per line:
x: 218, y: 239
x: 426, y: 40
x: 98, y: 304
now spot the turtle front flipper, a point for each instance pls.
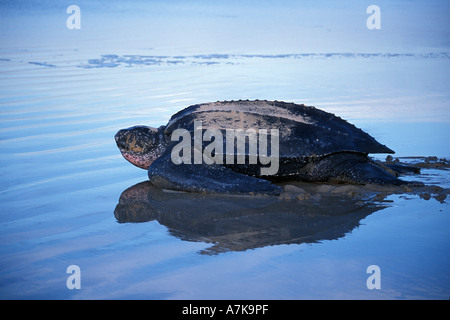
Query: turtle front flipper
x: 209, y: 178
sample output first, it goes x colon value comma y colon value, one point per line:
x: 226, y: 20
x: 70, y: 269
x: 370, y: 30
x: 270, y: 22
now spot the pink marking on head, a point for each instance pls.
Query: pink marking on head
x: 138, y: 161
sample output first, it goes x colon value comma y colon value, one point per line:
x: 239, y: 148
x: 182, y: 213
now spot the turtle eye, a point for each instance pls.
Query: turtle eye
x: 138, y: 139
x: 121, y: 138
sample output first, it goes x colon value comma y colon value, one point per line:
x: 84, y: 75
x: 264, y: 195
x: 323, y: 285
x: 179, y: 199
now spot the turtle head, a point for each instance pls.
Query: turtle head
x: 140, y: 145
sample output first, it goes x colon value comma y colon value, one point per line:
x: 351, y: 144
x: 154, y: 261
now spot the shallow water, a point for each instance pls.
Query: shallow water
x: 65, y: 93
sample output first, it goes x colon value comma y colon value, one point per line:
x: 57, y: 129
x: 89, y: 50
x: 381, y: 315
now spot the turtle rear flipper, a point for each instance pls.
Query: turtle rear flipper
x: 354, y: 168
x: 213, y: 178
x: 402, y: 168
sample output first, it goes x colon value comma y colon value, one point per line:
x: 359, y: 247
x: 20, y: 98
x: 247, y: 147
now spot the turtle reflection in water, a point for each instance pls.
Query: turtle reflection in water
x: 312, y: 145
x: 238, y: 223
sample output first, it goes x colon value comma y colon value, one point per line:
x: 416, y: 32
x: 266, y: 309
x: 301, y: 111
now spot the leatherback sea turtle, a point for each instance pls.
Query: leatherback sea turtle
x: 243, y: 146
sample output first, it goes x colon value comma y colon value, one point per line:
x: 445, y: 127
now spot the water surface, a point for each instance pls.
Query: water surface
x: 65, y: 93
